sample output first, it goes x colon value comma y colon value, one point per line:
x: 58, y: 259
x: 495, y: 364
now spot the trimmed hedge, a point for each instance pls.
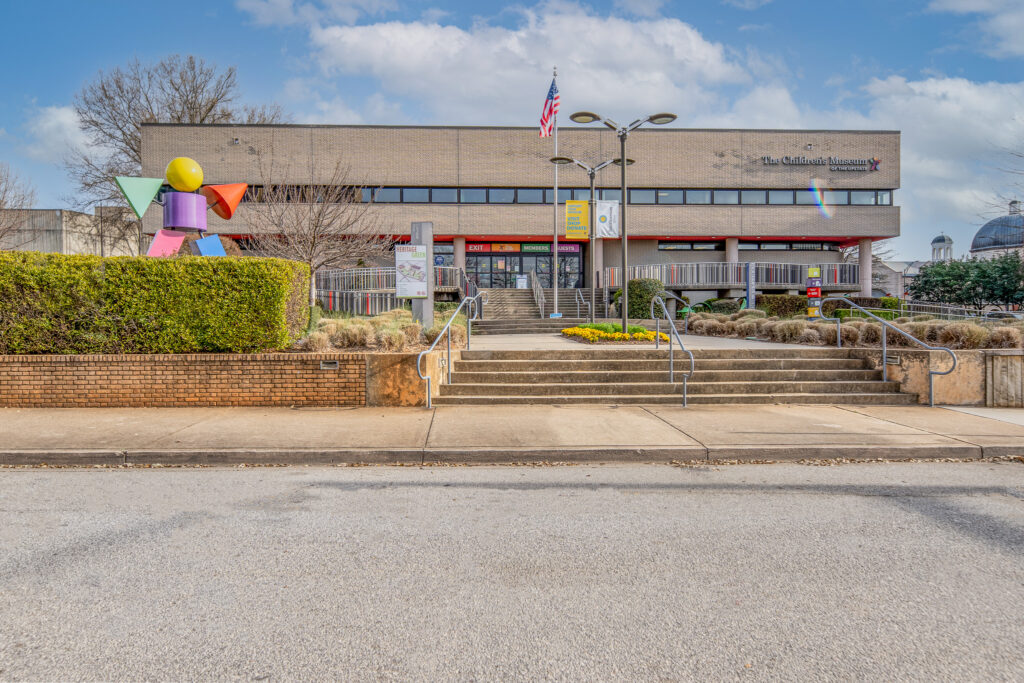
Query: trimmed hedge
x: 53, y: 303
x: 641, y: 291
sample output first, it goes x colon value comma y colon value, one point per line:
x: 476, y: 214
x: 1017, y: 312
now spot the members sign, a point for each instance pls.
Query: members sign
x: 607, y: 219
x: 411, y: 271
x: 577, y: 220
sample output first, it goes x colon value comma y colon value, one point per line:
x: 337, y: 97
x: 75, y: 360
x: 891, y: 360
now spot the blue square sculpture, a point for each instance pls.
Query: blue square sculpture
x: 208, y: 246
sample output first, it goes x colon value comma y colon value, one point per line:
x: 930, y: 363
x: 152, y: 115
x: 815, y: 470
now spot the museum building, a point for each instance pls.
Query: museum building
x: 694, y: 196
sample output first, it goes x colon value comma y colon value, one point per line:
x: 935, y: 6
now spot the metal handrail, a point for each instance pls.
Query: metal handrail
x: 538, y: 292
x: 886, y: 323
x: 590, y: 309
x: 675, y: 333
x: 476, y: 313
x: 446, y: 331
x: 723, y: 274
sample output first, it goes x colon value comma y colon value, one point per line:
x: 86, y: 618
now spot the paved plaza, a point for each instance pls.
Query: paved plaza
x: 880, y: 571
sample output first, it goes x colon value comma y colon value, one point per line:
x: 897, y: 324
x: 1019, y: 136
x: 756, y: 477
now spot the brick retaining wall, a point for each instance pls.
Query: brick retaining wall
x: 168, y: 380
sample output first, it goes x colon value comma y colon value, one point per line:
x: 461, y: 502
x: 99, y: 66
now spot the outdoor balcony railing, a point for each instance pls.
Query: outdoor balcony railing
x: 719, y: 275
x: 380, y: 279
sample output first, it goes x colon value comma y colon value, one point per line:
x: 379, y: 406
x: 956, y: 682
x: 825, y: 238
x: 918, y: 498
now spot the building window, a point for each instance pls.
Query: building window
x: 501, y: 196
x: 838, y: 197
x: 752, y: 197
x: 862, y: 197
x: 670, y: 196
x: 563, y: 195
x: 806, y: 197
x: 473, y: 196
x: 698, y: 196
x: 884, y: 198
x: 444, y: 248
x: 611, y: 195
x: 641, y: 196
x: 581, y: 195
x: 674, y: 246
x: 727, y: 196
x: 416, y: 195
x: 444, y: 195
x: 806, y: 246
x: 707, y: 246
x: 530, y: 196
x: 774, y: 246
x: 387, y: 195
x: 780, y: 196
x: 748, y: 246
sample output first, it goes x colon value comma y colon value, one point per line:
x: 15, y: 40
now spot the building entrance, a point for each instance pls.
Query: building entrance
x: 500, y: 270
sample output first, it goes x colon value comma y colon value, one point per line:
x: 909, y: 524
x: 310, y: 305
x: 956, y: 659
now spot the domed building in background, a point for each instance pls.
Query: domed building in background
x: 942, y: 248
x: 1000, y: 235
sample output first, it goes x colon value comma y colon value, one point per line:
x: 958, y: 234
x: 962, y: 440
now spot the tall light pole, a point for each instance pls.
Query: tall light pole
x: 623, y: 132
x: 592, y: 172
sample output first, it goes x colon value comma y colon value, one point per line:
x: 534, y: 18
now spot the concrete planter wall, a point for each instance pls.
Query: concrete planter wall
x: 982, y: 378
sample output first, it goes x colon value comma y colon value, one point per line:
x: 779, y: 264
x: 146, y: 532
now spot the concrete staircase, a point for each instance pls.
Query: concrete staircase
x: 821, y: 376
x: 516, y: 304
x: 567, y: 302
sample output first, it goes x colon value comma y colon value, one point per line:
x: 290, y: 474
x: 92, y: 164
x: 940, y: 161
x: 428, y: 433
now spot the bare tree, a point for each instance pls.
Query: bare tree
x: 880, y: 251
x: 16, y: 197
x: 324, y: 224
x: 112, y: 108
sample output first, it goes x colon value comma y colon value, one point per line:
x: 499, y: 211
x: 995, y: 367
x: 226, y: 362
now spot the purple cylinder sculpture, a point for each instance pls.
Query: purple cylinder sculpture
x: 185, y: 211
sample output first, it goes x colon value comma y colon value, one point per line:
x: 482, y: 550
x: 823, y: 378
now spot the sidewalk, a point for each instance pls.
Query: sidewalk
x: 502, y: 434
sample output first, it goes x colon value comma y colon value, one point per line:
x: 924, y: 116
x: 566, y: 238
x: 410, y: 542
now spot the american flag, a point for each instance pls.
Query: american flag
x: 547, y: 114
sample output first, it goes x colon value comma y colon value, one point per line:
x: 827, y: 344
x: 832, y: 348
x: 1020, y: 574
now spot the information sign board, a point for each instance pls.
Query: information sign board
x: 411, y: 271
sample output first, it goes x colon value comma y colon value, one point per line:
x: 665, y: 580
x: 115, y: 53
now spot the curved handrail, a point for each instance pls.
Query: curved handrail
x: 445, y: 332
x: 684, y: 302
x: 476, y: 313
x: 674, y: 333
x: 581, y: 299
x: 886, y: 323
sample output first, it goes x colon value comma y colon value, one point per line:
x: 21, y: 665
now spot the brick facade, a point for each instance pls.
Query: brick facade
x: 187, y: 380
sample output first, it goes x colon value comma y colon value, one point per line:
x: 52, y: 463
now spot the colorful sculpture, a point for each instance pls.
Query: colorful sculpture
x: 184, y: 209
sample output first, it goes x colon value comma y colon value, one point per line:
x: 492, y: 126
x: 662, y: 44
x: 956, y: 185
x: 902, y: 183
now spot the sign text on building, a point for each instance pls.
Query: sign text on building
x: 833, y: 163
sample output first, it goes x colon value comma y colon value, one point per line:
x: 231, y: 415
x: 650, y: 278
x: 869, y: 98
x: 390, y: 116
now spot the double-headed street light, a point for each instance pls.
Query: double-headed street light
x: 592, y: 172
x: 623, y: 132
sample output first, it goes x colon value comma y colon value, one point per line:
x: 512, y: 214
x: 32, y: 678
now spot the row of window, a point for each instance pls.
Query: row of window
x: 451, y: 195
x: 748, y: 246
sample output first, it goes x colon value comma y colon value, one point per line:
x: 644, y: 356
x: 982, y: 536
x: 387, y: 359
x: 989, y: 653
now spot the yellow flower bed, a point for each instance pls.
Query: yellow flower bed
x: 593, y: 336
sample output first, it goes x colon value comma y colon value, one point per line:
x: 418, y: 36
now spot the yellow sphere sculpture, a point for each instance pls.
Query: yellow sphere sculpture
x: 184, y: 174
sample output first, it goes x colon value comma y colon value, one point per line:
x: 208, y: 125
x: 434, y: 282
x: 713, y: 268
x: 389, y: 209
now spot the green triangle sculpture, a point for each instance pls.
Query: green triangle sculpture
x: 139, y: 191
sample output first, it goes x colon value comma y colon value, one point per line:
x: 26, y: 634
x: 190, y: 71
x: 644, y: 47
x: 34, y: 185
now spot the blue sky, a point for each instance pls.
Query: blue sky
x: 948, y: 73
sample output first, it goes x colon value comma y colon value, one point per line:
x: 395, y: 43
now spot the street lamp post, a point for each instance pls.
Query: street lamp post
x: 623, y: 132
x: 592, y: 172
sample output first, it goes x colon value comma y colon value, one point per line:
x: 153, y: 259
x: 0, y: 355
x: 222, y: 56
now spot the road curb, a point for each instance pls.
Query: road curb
x: 453, y: 456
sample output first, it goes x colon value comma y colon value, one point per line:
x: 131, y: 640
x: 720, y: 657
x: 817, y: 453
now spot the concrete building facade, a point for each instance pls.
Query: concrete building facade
x: 777, y: 196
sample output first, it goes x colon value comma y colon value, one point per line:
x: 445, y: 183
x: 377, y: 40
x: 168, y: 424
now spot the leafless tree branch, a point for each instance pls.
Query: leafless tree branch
x: 16, y: 198
x: 324, y: 224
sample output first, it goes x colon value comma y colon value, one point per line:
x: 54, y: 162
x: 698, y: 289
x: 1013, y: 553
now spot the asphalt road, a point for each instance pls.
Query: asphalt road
x: 871, y: 571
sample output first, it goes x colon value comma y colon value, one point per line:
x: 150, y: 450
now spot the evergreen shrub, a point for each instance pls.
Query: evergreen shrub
x: 56, y: 303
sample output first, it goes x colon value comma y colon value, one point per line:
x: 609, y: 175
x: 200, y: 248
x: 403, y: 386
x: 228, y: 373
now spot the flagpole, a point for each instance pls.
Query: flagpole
x: 554, y: 247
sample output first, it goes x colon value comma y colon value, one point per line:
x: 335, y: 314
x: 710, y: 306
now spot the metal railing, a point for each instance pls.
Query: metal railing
x: 375, y: 279
x: 357, y: 302
x: 538, y: 292
x: 673, y: 333
x: 885, y: 362
x: 946, y: 311
x: 446, y: 333
x: 580, y: 299
x: 722, y: 275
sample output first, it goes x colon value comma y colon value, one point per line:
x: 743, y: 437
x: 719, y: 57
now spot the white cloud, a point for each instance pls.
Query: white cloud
x: 433, y: 15
x: 53, y: 132
x: 499, y: 75
x: 746, y: 4
x: 754, y: 27
x: 310, y: 104
x: 1002, y: 21
x: 640, y: 8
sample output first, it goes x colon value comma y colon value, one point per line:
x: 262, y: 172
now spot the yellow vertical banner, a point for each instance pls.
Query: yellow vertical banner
x: 577, y: 220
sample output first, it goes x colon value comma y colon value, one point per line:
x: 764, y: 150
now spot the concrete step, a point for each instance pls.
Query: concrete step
x: 658, y: 388
x: 627, y: 353
x: 653, y: 364
x: 675, y: 399
x: 584, y: 377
